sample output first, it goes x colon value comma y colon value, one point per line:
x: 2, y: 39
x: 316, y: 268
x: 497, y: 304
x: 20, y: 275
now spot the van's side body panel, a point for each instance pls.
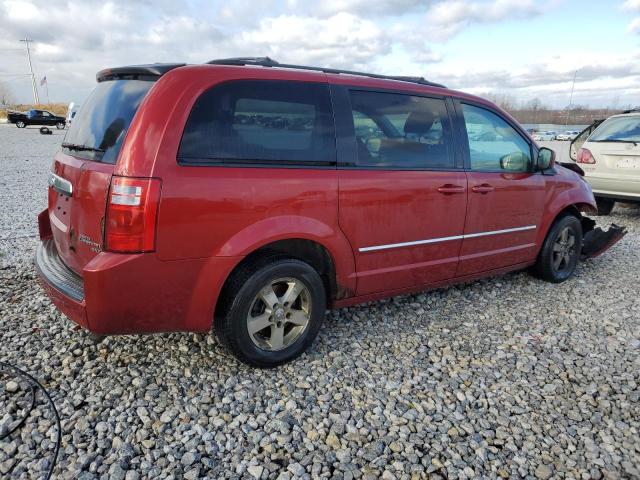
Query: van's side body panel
x: 211, y: 217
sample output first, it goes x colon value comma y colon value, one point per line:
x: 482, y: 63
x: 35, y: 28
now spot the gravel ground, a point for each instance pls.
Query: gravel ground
x: 508, y: 377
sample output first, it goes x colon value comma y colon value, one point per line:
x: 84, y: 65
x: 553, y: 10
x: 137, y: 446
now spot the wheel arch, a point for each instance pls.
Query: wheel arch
x: 274, y: 232
x: 311, y: 251
x: 575, y: 209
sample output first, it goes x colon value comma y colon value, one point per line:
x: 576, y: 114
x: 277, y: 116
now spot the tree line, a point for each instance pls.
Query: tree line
x: 535, y: 111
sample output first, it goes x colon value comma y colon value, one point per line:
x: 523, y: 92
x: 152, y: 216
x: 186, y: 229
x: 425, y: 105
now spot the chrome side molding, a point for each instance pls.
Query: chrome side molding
x: 60, y: 185
x: 445, y: 239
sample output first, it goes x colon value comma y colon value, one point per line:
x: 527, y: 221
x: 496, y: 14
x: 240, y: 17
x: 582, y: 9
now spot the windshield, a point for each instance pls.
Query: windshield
x: 101, y: 124
x: 618, y: 129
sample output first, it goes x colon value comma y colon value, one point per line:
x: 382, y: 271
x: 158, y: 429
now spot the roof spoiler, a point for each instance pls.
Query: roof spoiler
x: 152, y: 71
x: 269, y: 62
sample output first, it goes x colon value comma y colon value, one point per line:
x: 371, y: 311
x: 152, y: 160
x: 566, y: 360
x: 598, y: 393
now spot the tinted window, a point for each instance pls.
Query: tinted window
x: 261, y: 122
x: 618, y: 129
x: 400, y: 131
x: 494, y: 145
x: 103, y: 120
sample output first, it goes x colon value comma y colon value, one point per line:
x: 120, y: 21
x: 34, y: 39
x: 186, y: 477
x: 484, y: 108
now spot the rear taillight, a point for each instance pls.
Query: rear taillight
x: 132, y: 210
x: 584, y: 156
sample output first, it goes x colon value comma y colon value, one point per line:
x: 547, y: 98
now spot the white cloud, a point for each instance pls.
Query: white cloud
x: 447, y: 18
x: 367, y: 8
x: 634, y: 26
x: 342, y: 40
x: 76, y: 38
x: 599, y: 78
x: 631, y: 5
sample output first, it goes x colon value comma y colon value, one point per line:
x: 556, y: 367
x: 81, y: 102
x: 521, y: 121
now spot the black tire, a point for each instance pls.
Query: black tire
x: 20, y: 124
x: 547, y: 267
x: 239, y: 297
x: 605, y: 205
x: 60, y: 125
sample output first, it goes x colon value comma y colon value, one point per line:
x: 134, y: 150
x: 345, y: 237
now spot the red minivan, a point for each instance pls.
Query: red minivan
x: 250, y: 196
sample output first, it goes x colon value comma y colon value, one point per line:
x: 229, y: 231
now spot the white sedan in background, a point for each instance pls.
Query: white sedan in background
x: 544, y: 136
x: 568, y: 135
x: 610, y: 158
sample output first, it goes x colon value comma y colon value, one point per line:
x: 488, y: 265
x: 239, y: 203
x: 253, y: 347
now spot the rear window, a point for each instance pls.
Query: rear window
x: 253, y: 121
x: 618, y: 129
x: 99, y: 127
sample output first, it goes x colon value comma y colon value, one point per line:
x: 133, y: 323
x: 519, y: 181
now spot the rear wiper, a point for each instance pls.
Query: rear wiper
x: 81, y: 148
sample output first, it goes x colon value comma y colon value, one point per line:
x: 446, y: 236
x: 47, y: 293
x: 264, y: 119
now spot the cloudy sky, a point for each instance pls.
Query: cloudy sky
x: 522, y: 48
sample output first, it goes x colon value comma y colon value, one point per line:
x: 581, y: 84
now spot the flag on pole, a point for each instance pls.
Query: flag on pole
x: 43, y: 81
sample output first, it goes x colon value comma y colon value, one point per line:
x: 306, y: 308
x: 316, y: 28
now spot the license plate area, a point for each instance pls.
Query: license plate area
x: 628, y: 163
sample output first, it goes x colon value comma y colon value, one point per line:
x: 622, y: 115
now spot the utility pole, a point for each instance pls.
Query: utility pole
x: 33, y: 77
x: 571, y: 97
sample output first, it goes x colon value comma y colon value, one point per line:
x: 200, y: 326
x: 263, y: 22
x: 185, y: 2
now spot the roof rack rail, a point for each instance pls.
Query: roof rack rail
x: 269, y: 62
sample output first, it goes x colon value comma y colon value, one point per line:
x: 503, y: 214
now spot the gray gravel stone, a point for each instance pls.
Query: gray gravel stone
x: 506, y: 377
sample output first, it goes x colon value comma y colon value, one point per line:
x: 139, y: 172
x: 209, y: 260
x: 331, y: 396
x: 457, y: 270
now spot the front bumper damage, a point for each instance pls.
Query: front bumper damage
x: 596, y: 241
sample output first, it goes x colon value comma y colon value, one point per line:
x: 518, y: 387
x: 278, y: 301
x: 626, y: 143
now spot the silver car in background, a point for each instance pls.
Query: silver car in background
x: 544, y: 136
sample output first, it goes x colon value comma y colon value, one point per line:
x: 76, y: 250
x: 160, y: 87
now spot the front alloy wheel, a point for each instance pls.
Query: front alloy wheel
x: 560, y: 251
x: 564, y: 250
x: 20, y: 124
x: 60, y: 125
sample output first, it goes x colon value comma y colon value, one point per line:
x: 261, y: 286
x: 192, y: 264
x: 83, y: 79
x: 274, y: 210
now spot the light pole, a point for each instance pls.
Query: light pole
x: 36, y: 99
x: 566, y: 121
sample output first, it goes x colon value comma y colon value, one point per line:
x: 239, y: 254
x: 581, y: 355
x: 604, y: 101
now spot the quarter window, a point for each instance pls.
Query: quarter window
x: 260, y: 122
x: 396, y: 131
x: 494, y: 145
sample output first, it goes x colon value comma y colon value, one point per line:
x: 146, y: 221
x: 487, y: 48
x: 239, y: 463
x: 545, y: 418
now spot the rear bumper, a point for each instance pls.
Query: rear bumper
x: 63, y: 286
x: 121, y: 294
x: 54, y: 272
x: 610, y: 187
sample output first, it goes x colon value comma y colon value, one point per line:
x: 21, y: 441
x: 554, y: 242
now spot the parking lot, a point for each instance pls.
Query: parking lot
x: 507, y: 377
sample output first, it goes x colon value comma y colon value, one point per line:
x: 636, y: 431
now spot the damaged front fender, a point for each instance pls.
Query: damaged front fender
x: 596, y: 241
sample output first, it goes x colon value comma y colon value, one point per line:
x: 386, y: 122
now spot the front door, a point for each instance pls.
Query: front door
x: 506, y: 200
x: 401, y: 199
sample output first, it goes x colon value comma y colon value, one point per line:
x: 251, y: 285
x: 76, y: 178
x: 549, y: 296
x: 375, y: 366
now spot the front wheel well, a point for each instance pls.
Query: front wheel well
x: 576, y: 210
x: 308, y: 251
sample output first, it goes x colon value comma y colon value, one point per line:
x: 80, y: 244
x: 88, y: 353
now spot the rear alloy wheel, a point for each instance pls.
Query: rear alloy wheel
x: 605, y: 205
x: 271, y: 311
x: 20, y: 124
x: 560, y: 252
x: 60, y: 125
x: 279, y: 314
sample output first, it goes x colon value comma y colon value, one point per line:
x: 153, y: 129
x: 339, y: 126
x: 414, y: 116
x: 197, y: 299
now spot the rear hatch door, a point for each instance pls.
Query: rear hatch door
x: 576, y: 143
x: 82, y: 170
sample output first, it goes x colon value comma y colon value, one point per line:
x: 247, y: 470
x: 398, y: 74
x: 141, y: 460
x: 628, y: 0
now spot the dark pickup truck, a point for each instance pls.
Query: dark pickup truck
x: 36, y: 117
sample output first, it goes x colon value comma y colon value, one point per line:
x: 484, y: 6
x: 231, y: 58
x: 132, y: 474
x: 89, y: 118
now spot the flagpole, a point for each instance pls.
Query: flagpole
x: 47, y: 90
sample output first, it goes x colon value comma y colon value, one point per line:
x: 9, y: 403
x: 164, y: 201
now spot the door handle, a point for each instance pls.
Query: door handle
x: 484, y: 188
x: 448, y: 189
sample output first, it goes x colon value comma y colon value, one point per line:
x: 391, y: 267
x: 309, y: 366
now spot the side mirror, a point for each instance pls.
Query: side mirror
x: 546, y: 159
x: 515, y: 162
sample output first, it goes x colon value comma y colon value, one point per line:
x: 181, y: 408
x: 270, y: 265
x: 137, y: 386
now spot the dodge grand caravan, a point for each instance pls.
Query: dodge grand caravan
x: 249, y: 196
